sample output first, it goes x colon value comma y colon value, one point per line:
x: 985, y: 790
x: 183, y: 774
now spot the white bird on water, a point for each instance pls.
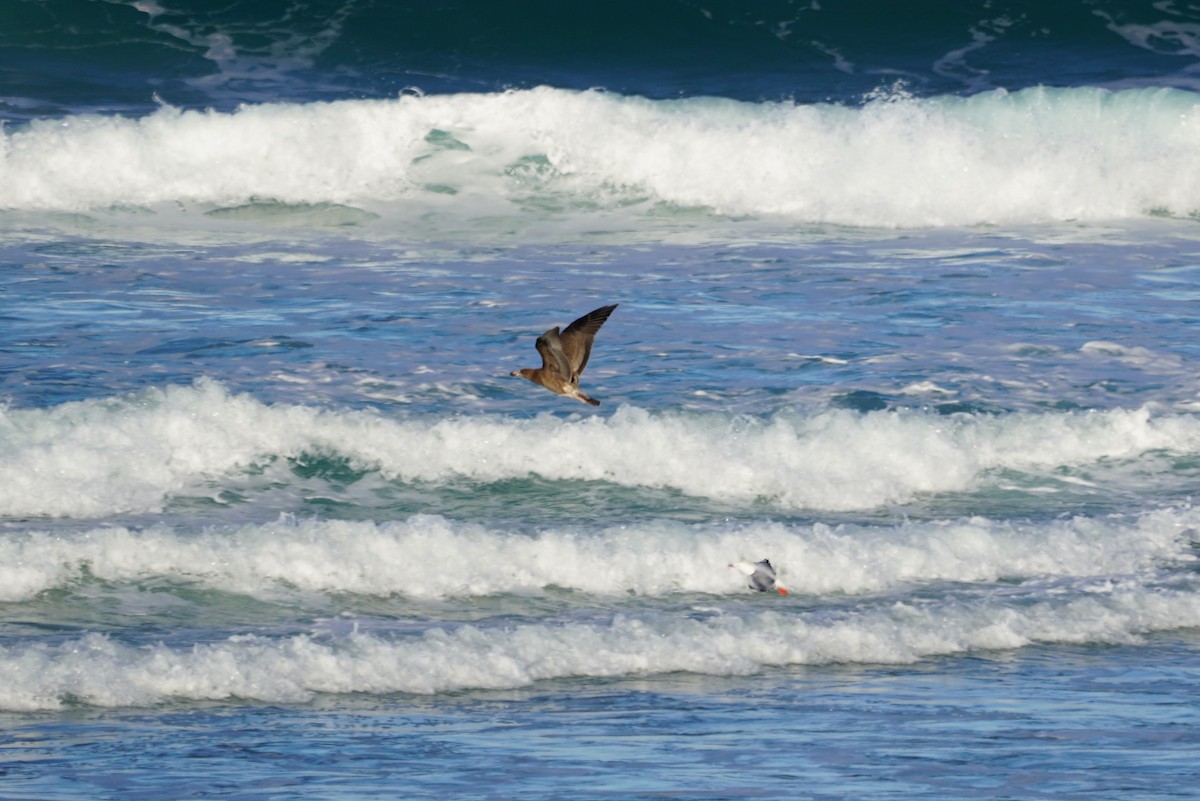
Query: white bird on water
x: 762, y: 575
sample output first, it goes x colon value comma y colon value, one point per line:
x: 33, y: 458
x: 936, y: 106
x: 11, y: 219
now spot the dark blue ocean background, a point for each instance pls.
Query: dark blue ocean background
x: 64, y: 57
x: 907, y: 303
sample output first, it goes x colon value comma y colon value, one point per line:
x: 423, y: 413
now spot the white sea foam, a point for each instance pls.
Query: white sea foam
x: 429, y: 557
x: 1138, y: 357
x: 1034, y: 155
x: 100, y: 671
x: 131, y: 454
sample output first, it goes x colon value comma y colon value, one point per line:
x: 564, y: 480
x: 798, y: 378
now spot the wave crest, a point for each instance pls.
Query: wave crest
x: 1030, y: 156
x: 99, y: 671
x: 423, y: 557
x: 131, y: 454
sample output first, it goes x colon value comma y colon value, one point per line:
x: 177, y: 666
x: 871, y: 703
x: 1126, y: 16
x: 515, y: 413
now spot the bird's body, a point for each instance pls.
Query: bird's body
x: 565, y: 354
x: 761, y: 575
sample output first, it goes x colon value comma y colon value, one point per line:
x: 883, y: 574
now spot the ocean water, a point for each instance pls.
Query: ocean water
x: 907, y: 304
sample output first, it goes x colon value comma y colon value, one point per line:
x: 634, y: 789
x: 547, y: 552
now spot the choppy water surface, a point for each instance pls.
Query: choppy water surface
x: 275, y: 521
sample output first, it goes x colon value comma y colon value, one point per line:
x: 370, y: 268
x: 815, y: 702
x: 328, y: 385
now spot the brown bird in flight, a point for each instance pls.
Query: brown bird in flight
x: 564, y: 355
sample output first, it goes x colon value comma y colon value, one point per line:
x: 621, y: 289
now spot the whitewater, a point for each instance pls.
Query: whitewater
x: 1031, y: 156
x: 132, y: 455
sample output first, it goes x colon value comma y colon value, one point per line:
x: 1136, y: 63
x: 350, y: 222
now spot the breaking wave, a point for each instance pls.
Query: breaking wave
x: 1034, y: 155
x: 133, y: 453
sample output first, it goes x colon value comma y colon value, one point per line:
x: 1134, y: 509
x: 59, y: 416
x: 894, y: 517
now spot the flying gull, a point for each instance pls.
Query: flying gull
x: 565, y: 354
x: 762, y: 576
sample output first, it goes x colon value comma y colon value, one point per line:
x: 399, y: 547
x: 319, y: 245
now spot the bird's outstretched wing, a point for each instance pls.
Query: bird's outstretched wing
x: 554, y: 357
x: 577, y: 339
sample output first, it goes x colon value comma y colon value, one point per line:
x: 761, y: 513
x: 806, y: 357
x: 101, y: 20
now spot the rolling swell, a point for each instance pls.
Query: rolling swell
x: 95, y: 670
x: 65, y: 57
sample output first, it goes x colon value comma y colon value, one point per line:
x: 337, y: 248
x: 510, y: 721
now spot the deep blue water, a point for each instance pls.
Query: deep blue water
x: 67, y: 56
x: 906, y: 304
